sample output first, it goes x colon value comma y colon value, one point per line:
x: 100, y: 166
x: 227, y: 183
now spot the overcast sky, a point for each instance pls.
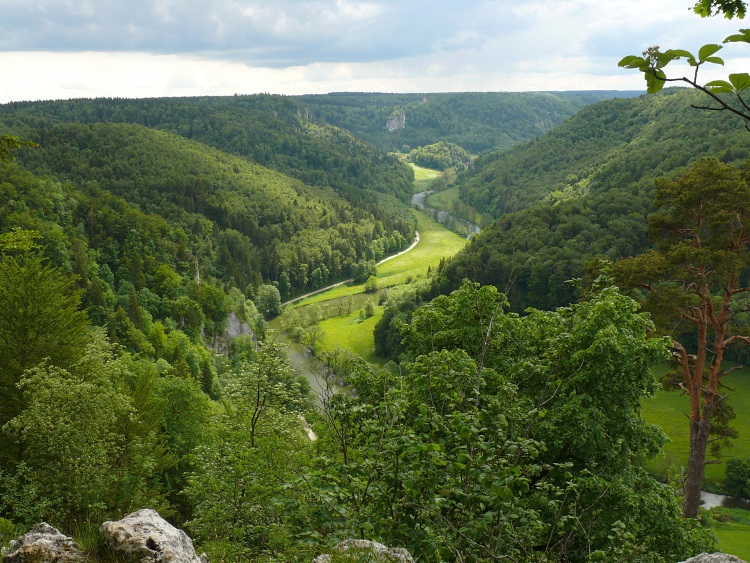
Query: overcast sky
x: 51, y: 49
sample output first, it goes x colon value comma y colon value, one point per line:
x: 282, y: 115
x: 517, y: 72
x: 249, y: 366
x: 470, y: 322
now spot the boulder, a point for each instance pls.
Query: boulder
x: 714, y: 558
x: 43, y: 544
x: 147, y: 536
x: 378, y: 551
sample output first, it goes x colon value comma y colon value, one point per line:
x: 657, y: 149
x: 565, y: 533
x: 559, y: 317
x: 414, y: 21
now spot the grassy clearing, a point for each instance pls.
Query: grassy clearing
x: 423, y: 178
x: 443, y: 200
x: 349, y: 333
x: 435, y: 242
x: 668, y: 409
x: 732, y: 527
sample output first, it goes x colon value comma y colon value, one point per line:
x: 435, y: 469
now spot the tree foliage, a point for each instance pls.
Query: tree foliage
x: 469, y: 453
x: 701, y: 231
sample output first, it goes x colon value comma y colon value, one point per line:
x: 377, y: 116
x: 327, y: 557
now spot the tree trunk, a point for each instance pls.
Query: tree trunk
x: 696, y: 462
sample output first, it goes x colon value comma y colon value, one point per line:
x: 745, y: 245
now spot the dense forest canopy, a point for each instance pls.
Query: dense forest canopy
x: 477, y: 121
x: 583, y: 191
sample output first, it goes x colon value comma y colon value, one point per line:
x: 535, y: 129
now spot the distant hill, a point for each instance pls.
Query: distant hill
x: 477, y: 121
x: 582, y: 191
x: 269, y: 130
x: 236, y: 221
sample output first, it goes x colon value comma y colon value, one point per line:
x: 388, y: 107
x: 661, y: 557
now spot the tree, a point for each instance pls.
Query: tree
x: 268, y: 301
x: 89, y: 438
x: 259, y: 447
x: 730, y: 8
x: 41, y: 319
x: 505, y: 438
x: 371, y: 285
x: 702, y: 234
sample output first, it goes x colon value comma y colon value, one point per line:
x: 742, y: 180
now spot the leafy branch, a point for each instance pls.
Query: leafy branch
x: 653, y: 61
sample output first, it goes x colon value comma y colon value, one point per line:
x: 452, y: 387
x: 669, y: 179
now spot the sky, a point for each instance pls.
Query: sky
x: 60, y: 49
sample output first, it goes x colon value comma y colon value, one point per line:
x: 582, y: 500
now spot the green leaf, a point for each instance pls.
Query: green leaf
x: 655, y: 79
x: 682, y: 53
x: 719, y: 86
x: 742, y: 37
x: 632, y: 61
x: 708, y: 50
x: 740, y: 81
x: 714, y: 60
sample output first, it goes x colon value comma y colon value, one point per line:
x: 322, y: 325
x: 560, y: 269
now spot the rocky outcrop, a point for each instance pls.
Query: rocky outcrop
x: 396, y: 121
x: 379, y: 552
x: 714, y: 558
x: 43, y: 544
x: 146, y: 536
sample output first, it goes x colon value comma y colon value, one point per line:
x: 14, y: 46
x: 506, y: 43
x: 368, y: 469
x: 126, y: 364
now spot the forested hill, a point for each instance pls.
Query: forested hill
x: 243, y: 224
x: 583, y: 191
x: 476, y: 121
x: 269, y: 130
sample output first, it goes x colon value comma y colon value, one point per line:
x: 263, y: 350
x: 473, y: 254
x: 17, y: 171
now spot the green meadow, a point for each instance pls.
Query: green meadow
x: 732, y: 527
x: 423, y: 178
x: 443, y: 200
x: 435, y: 242
x: 350, y: 333
x: 668, y: 410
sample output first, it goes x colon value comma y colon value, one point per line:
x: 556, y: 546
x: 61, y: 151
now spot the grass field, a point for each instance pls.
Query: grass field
x: 732, y: 527
x: 435, y: 242
x: 349, y: 333
x: 423, y: 178
x: 668, y: 410
x: 443, y: 200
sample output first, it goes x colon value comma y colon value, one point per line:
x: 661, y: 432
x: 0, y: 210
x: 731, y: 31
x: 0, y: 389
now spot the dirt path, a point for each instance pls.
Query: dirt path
x: 322, y: 289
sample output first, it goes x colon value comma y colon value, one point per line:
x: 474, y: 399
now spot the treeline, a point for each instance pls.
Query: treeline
x: 478, y: 122
x: 441, y: 156
x: 239, y: 222
x: 616, y: 143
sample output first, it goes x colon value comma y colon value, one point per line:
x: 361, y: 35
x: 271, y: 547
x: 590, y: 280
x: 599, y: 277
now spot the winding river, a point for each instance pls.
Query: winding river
x: 420, y: 201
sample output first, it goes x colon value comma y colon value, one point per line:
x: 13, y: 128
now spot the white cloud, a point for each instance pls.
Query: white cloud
x: 67, y: 48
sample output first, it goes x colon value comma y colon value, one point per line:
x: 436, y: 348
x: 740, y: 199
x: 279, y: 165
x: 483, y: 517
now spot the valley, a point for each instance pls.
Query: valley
x: 497, y: 390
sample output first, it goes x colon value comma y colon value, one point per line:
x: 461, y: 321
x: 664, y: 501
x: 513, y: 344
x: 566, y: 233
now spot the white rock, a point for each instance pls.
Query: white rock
x: 381, y: 552
x: 146, y: 535
x: 714, y: 558
x: 43, y: 543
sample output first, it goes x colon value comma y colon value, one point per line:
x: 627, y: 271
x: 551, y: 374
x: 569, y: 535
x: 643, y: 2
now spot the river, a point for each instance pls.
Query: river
x: 419, y: 200
x: 710, y: 500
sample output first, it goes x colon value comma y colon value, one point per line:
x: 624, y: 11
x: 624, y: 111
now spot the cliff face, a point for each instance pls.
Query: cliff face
x: 396, y: 121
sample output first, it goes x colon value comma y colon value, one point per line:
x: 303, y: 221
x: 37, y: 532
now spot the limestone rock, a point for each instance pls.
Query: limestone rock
x: 43, y: 544
x: 714, y: 558
x: 396, y: 121
x: 146, y: 535
x: 380, y: 552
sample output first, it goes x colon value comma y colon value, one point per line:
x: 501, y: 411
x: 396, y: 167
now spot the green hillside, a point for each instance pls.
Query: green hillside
x: 269, y: 130
x: 243, y: 223
x: 582, y: 191
x: 476, y: 121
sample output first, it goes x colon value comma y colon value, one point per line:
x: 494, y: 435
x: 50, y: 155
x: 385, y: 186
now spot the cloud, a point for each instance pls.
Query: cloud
x: 297, y: 46
x: 279, y: 33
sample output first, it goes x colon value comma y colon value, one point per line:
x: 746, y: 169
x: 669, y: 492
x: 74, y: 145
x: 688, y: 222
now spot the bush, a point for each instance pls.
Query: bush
x: 738, y: 477
x: 371, y: 285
